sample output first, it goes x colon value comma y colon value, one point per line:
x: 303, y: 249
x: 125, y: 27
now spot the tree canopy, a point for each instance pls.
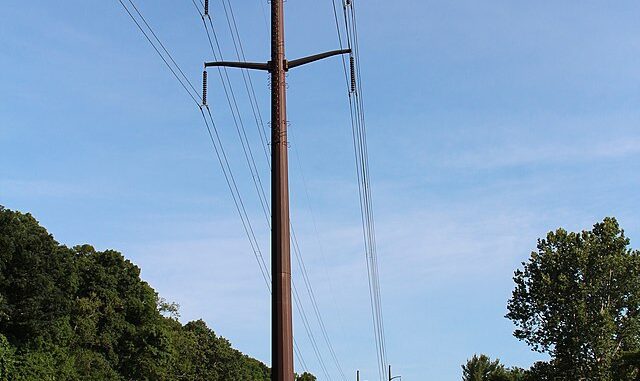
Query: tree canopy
x: 578, y: 299
x: 82, y: 314
x: 482, y: 368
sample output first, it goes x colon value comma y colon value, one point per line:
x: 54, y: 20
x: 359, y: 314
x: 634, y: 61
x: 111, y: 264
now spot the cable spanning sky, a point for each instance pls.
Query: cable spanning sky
x: 488, y: 125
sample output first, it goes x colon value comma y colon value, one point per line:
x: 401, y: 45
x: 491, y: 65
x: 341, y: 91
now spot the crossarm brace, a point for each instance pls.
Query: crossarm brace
x: 267, y: 66
x: 317, y: 57
x: 242, y: 65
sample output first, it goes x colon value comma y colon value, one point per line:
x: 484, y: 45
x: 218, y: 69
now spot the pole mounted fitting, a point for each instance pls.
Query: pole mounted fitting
x: 352, y: 65
x: 204, y: 88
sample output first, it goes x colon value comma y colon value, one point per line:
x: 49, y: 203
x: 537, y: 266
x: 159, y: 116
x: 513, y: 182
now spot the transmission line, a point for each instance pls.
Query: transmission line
x: 358, y: 124
x: 173, y: 71
x: 220, y: 154
x: 246, y: 76
x: 223, y: 160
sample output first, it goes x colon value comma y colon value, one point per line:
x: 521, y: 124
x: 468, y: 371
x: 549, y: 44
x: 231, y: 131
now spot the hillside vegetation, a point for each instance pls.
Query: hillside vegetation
x: 82, y: 314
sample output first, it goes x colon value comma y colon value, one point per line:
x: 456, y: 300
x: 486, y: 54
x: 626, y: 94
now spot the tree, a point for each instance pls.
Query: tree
x: 517, y: 374
x: 7, y: 358
x: 85, y: 315
x: 542, y: 371
x: 481, y: 368
x: 578, y: 299
x: 627, y: 367
x: 306, y: 377
x: 37, y: 282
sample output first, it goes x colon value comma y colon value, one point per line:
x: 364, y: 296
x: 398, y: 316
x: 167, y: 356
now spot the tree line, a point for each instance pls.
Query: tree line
x: 576, y: 299
x: 82, y: 314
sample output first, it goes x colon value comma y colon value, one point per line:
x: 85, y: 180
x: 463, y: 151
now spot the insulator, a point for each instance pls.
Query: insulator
x: 348, y: 3
x: 352, y: 61
x: 204, y: 88
x: 206, y: 7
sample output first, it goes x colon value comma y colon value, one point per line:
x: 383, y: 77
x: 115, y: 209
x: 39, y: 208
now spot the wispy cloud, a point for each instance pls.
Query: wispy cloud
x: 545, y: 153
x: 45, y: 188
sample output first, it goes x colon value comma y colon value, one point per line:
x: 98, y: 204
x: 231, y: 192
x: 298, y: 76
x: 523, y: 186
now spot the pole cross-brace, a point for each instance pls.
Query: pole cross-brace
x: 268, y: 66
x: 242, y: 65
x: 316, y: 57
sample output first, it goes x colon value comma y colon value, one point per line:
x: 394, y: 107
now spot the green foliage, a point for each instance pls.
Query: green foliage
x: 578, y: 299
x: 545, y: 371
x: 82, y: 314
x: 37, y: 278
x: 627, y: 366
x: 306, y: 377
x: 482, y: 368
x: 7, y: 358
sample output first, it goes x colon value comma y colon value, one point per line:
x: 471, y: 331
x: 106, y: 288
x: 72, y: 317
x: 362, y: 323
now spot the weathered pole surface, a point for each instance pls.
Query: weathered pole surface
x: 282, y: 323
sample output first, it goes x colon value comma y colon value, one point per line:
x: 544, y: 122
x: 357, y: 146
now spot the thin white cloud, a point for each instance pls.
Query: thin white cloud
x: 44, y: 188
x: 513, y: 155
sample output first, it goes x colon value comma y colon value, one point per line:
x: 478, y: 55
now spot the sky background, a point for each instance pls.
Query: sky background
x: 490, y: 123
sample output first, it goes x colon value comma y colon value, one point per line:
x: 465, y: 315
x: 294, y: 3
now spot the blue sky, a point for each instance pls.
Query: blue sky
x: 490, y: 123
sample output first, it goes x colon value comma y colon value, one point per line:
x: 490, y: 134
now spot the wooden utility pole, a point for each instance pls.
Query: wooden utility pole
x: 281, y: 317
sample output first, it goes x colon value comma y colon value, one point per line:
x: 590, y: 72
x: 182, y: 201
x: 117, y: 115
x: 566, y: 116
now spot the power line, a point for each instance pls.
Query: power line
x: 358, y: 123
x: 361, y: 100
x: 245, y: 219
x: 173, y: 71
x: 317, y: 233
x: 221, y: 155
x: 307, y: 327
x: 163, y: 47
x: 238, y: 122
x: 307, y: 282
x: 246, y: 76
x: 222, y: 159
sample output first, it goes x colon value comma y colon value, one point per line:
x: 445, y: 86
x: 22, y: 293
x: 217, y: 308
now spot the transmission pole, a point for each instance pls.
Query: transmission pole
x: 281, y: 316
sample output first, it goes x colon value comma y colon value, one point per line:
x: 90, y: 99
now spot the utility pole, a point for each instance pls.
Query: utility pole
x: 281, y: 316
x: 358, y: 376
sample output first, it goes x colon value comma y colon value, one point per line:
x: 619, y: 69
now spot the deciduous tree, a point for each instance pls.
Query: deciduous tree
x: 577, y: 298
